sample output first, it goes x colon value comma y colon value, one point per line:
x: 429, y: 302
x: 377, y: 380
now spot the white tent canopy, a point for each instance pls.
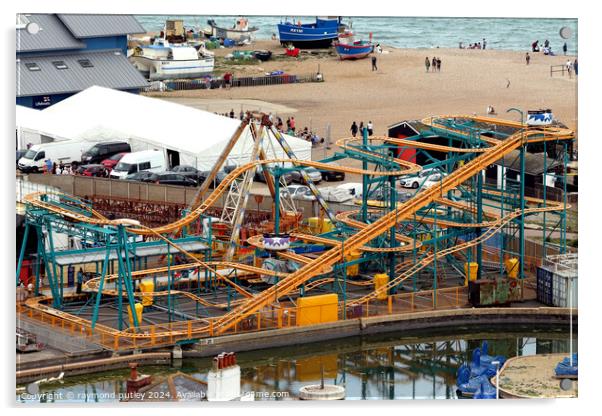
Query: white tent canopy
x: 34, y: 127
x: 198, y: 136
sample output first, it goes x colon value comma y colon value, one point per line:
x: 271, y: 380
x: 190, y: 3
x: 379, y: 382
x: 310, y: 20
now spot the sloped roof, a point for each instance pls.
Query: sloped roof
x: 110, y: 69
x: 99, y: 25
x: 534, y: 163
x: 53, y: 35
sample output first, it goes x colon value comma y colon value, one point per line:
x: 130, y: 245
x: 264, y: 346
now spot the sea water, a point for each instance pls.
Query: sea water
x: 416, y: 32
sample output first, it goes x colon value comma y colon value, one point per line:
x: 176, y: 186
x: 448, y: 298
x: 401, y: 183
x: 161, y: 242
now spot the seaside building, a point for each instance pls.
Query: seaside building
x: 59, y: 55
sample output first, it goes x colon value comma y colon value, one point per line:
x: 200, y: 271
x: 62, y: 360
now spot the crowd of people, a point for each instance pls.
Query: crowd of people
x: 434, y: 65
x: 476, y: 45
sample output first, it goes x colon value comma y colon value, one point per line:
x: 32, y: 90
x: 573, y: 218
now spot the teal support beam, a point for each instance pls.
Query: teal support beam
x: 365, y: 178
x: 169, y: 300
x: 105, y: 265
x: 545, y: 187
x: 22, y: 252
x: 522, y: 216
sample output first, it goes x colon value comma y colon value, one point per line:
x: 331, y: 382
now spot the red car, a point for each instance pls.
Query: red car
x: 110, y: 163
x: 92, y: 170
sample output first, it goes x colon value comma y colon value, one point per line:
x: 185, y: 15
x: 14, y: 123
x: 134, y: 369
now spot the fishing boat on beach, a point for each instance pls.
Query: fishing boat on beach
x: 319, y: 34
x: 349, y: 48
x: 163, y: 60
x: 241, y: 32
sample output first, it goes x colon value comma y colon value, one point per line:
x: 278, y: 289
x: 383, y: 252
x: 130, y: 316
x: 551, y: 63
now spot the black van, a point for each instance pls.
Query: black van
x: 105, y: 150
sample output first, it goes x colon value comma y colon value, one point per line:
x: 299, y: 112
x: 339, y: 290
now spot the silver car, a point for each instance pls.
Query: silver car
x: 314, y: 174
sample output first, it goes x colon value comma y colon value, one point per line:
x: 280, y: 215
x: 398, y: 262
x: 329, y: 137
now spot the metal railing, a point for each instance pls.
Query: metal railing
x: 206, y: 83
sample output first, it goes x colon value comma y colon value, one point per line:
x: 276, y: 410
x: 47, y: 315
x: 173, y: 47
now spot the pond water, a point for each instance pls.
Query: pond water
x: 417, y: 365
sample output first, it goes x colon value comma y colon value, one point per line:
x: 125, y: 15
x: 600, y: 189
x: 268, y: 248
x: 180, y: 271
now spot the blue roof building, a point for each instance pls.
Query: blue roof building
x: 59, y: 55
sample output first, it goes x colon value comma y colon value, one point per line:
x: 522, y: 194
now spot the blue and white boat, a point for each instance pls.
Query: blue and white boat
x: 163, y: 60
x: 320, y: 34
x: 349, y: 48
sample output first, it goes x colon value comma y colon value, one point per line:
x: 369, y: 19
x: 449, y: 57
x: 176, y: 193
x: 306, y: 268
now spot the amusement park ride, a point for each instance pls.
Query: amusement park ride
x: 441, y: 227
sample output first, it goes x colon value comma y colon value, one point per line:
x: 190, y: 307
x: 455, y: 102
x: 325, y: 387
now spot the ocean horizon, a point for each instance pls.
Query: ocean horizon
x: 515, y: 34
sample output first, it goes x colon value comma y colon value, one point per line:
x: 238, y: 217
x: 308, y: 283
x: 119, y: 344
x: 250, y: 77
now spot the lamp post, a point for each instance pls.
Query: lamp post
x: 497, y: 379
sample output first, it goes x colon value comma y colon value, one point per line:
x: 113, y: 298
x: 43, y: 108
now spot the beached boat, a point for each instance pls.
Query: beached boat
x: 349, y: 48
x: 320, y: 34
x: 240, y: 33
x: 263, y: 55
x: 163, y: 60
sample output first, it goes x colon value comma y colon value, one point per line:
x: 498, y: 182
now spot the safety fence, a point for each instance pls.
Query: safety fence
x: 559, y: 69
x: 214, y: 83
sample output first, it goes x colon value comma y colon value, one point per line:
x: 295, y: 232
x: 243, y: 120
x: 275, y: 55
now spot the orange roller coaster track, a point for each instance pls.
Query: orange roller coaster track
x: 311, y: 268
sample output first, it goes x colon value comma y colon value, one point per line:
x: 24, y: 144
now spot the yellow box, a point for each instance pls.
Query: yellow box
x: 380, y: 280
x: 147, y: 286
x: 317, y: 309
x: 318, y: 228
x: 139, y: 309
x: 354, y: 269
x: 473, y: 268
x: 512, y: 267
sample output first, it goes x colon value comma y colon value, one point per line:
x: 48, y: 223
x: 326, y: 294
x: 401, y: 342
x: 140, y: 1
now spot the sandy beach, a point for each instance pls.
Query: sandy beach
x: 401, y: 89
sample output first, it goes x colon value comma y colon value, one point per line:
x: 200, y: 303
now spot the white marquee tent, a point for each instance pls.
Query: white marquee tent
x: 195, y: 136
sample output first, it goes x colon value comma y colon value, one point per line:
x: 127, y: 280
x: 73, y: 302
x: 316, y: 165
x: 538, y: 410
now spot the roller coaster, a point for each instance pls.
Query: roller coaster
x: 443, y: 222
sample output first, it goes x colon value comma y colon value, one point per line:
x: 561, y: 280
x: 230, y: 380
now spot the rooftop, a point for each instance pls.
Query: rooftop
x: 99, y: 25
x: 75, y: 71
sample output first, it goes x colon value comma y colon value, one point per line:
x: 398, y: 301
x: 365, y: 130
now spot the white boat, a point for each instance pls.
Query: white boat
x: 162, y: 60
x: 240, y: 33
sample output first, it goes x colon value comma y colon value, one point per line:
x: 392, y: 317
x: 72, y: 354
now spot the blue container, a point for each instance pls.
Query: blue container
x: 545, y: 286
x: 228, y: 43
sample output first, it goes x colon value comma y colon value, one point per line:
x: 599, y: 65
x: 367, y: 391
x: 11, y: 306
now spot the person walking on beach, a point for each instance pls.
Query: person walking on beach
x: 434, y: 64
x: 569, y: 67
x: 564, y: 48
x: 575, y: 66
x: 353, y: 129
x: 427, y: 64
x: 361, y: 128
x: 232, y: 113
x: 370, y: 128
x: 293, y: 124
x: 438, y: 64
x: 527, y: 58
x: 484, y: 43
x: 374, y: 68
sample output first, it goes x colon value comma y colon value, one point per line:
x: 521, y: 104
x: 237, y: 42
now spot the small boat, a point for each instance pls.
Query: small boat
x: 349, y: 48
x: 162, y: 60
x: 240, y: 33
x: 263, y: 55
x: 320, y: 34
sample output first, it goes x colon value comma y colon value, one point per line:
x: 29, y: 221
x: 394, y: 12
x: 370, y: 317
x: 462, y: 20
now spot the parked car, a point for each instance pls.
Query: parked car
x: 111, y: 162
x: 188, y: 171
x: 259, y: 177
x: 151, y: 160
x: 313, y: 173
x: 298, y: 192
x: 332, y: 175
x: 203, y: 175
x: 420, y: 178
x: 142, y: 176
x: 66, y: 151
x: 170, y: 178
x: 96, y: 170
x: 104, y: 150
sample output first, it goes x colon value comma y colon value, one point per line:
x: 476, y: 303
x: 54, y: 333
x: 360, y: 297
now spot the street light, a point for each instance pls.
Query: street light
x: 497, y: 379
x: 522, y: 114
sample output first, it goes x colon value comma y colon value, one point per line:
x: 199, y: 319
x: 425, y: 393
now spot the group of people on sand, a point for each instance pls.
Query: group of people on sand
x: 434, y: 65
x: 368, y: 128
x: 476, y: 45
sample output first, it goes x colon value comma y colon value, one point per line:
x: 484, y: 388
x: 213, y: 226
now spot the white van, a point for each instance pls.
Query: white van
x: 355, y: 189
x: 147, y: 160
x: 65, y: 151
